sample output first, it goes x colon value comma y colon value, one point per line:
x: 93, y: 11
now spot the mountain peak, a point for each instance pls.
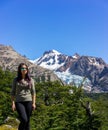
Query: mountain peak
x: 76, y: 56
x: 7, y: 47
x: 53, y: 52
x: 51, y: 59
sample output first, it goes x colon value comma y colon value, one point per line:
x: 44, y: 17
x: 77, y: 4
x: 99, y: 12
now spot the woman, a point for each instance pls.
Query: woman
x: 23, y: 96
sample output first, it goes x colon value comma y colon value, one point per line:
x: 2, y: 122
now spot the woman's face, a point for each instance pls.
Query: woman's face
x: 24, y: 69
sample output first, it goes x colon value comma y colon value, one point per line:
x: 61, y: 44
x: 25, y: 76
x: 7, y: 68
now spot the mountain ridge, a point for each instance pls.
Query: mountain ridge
x: 68, y: 69
x: 76, y: 66
x: 10, y: 59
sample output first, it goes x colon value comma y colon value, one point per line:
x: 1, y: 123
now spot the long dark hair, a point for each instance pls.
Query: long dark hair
x: 19, y: 74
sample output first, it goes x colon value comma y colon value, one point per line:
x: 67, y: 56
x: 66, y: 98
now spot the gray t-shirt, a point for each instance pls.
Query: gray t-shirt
x: 22, y: 91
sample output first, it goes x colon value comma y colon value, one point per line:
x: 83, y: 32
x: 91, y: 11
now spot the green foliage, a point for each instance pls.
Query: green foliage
x: 58, y: 107
x: 6, y: 78
x: 101, y: 108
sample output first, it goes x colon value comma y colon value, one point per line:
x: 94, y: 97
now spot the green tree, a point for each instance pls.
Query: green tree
x: 58, y: 107
x: 6, y: 78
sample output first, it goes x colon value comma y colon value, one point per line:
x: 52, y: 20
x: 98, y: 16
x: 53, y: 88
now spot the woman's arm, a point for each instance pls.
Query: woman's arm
x: 34, y: 102
x: 33, y: 92
x: 13, y: 103
x: 13, y: 92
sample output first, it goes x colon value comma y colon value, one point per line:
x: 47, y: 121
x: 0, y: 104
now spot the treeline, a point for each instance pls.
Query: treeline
x: 58, y: 107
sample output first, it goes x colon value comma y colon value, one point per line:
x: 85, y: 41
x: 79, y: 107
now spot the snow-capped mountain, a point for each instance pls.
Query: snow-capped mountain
x: 74, y: 69
x: 49, y: 60
x: 90, y: 71
x: 54, y: 60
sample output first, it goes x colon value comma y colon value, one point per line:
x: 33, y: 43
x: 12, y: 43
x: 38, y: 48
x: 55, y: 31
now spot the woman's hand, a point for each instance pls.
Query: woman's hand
x: 34, y: 106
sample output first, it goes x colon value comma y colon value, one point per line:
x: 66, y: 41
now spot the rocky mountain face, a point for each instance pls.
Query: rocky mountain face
x: 76, y: 69
x: 73, y: 69
x: 10, y: 59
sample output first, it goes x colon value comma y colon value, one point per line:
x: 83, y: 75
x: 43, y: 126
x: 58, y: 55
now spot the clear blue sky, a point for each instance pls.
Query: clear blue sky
x: 32, y: 27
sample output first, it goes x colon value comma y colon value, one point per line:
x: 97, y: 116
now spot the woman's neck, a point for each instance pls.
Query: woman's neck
x: 23, y: 76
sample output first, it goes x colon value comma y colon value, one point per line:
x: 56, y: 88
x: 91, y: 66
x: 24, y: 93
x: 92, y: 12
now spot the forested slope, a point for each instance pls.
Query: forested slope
x: 58, y: 107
